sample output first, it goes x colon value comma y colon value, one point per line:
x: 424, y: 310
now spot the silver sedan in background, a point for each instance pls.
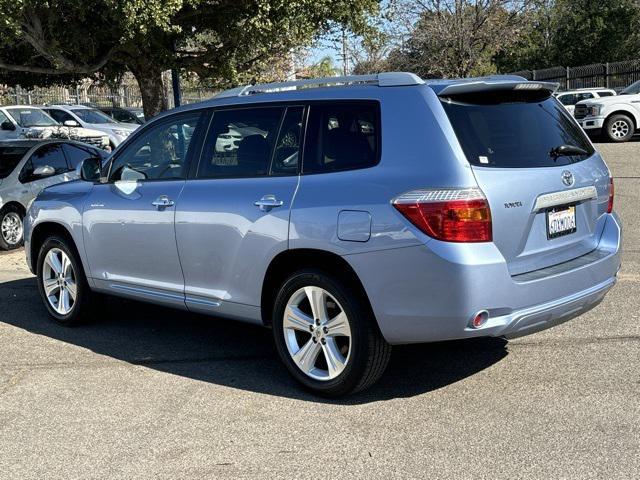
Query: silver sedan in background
x: 27, y: 167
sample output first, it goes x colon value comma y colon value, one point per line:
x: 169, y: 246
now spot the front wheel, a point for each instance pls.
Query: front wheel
x: 619, y: 128
x: 11, y: 228
x: 326, y: 335
x: 62, y: 283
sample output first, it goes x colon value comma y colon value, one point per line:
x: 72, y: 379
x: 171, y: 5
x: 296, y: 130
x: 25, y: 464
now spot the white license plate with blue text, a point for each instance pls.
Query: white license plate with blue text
x: 561, y: 221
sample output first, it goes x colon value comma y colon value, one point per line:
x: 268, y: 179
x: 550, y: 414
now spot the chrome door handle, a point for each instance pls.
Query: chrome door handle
x: 163, y: 201
x: 268, y: 202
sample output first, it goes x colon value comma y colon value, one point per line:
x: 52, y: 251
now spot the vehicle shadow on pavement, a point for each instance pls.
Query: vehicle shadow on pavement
x: 232, y: 353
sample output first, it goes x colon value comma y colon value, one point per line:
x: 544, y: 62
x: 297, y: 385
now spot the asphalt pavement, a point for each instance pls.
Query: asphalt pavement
x: 143, y: 392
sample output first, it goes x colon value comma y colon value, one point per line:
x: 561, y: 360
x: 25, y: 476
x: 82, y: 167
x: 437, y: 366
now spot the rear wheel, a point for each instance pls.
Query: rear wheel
x: 11, y: 228
x: 326, y: 335
x: 61, y: 281
x: 619, y: 128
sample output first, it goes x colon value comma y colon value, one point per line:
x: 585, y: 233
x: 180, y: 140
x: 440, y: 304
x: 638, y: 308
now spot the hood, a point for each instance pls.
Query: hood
x: 128, y: 127
x: 60, y: 132
x: 610, y: 100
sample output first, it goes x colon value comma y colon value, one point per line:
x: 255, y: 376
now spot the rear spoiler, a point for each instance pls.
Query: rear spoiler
x: 495, y: 86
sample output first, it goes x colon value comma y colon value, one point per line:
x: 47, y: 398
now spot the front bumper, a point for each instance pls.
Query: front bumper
x: 431, y: 292
x: 592, y: 124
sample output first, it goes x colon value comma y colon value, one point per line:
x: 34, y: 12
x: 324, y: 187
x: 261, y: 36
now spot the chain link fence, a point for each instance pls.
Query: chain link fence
x: 616, y: 75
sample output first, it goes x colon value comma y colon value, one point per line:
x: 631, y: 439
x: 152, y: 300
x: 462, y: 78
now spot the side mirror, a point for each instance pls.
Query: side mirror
x: 7, y: 125
x: 44, y: 171
x: 91, y: 169
x: 71, y: 123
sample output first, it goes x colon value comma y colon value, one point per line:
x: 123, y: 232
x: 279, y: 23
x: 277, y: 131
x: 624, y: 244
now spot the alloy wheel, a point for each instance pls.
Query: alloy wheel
x: 59, y: 281
x: 619, y: 129
x: 317, y: 333
x: 11, y: 228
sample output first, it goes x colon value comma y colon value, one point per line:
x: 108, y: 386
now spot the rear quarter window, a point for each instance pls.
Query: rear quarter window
x: 514, y: 129
x: 342, y: 136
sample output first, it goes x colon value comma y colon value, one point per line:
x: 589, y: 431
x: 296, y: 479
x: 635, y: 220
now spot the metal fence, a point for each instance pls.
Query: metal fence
x: 126, y: 95
x: 616, y: 75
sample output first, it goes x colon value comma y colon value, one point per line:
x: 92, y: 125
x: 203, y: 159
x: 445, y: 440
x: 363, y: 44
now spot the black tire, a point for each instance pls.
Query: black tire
x: 616, y: 126
x: 369, y: 352
x: 81, y: 308
x: 14, y: 212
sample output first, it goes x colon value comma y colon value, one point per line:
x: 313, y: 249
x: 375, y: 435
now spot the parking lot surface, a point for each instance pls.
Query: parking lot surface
x: 143, y: 392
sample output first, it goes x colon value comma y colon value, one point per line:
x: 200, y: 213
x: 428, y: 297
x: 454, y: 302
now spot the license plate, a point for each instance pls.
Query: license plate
x: 561, y: 221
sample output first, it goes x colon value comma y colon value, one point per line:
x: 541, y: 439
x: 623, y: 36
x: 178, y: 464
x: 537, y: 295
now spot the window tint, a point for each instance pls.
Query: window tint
x: 30, y: 117
x: 240, y: 143
x: 605, y: 94
x: 158, y: 153
x: 514, y: 129
x: 3, y: 118
x: 76, y: 154
x: 124, y: 116
x: 9, y: 158
x: 287, y: 153
x: 573, y: 98
x: 341, y: 136
x: 48, y: 155
x: 59, y: 116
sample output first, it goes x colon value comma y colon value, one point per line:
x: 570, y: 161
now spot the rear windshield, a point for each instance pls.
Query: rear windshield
x: 9, y: 159
x: 514, y: 129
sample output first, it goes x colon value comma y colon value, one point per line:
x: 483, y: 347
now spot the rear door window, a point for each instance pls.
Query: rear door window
x: 240, y: 143
x: 514, y: 129
x: 342, y: 136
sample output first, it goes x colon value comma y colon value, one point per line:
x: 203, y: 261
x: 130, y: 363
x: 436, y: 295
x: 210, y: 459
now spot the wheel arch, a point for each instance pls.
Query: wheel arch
x: 627, y: 113
x: 40, y: 233
x: 289, y: 261
x: 21, y: 208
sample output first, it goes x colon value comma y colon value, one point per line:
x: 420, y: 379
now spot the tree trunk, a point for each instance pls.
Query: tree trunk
x: 149, y: 78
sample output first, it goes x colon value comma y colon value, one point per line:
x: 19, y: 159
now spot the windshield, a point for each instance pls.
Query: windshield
x: 90, y: 115
x: 631, y: 89
x: 514, y: 129
x: 9, y: 159
x: 31, y: 117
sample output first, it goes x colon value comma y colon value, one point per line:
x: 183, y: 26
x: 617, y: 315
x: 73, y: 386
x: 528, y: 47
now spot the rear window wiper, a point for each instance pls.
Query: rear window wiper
x: 566, y: 151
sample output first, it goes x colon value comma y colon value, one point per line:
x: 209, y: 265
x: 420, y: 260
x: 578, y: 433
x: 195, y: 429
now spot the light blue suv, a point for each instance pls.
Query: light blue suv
x: 348, y: 214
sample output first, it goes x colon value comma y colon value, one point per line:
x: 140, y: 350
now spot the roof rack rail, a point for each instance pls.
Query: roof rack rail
x: 386, y: 79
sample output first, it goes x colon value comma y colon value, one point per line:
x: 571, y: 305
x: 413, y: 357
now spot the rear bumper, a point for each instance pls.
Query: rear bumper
x: 431, y: 292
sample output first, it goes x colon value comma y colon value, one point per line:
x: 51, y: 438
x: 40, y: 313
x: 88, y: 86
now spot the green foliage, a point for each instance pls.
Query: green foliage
x: 575, y: 32
x: 224, y: 41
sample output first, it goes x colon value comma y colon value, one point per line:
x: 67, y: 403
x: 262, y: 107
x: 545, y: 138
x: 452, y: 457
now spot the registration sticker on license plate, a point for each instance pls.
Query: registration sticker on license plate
x: 561, y: 221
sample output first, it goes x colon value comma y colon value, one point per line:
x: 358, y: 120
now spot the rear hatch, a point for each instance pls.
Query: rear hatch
x: 547, y: 204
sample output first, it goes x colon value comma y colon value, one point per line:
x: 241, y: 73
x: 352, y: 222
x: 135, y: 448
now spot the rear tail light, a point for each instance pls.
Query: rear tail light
x: 451, y: 215
x: 611, y: 192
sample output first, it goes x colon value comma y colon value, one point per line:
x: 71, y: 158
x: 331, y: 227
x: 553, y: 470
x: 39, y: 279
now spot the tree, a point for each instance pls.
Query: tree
x: 457, y: 38
x: 224, y: 41
x: 575, y: 32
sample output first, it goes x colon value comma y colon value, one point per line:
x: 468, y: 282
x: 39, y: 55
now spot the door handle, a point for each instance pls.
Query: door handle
x: 163, y: 201
x: 268, y: 202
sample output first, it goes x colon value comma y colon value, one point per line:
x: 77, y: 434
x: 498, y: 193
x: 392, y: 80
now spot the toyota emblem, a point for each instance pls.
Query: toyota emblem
x: 567, y: 178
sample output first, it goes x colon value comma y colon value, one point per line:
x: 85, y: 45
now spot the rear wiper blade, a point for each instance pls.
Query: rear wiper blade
x: 566, y: 151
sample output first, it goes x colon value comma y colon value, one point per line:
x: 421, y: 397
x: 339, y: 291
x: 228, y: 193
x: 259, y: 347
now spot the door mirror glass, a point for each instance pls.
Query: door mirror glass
x: 6, y: 125
x: 44, y: 171
x: 91, y: 169
x: 71, y: 123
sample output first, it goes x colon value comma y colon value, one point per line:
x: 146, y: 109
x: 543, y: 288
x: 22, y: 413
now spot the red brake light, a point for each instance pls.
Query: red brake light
x: 450, y: 215
x: 611, y: 192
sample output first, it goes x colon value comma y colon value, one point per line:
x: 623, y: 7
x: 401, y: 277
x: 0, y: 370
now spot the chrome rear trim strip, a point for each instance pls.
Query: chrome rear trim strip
x: 565, y: 197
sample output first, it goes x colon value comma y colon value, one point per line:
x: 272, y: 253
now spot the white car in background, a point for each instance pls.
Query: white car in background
x: 28, y: 122
x: 571, y: 97
x: 93, y: 118
x: 616, y: 118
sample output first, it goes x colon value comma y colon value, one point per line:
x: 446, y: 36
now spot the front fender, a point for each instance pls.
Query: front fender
x: 57, y: 207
